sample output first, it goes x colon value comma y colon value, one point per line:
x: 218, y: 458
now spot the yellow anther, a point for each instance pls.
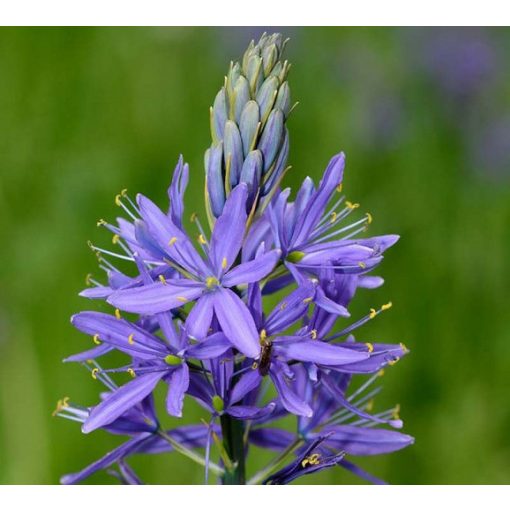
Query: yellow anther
x: 88, y: 279
x: 387, y: 306
x: 162, y: 279
x: 115, y: 238
x: 404, y: 347
x: 211, y: 282
x: 393, y: 361
x: 193, y: 217
x: 313, y: 334
x: 369, y: 406
x: 369, y: 218
x: 182, y: 299
x: 94, y: 373
x: 339, y: 187
x: 96, y: 339
x: 118, y: 201
x: 362, y: 265
x: 124, y: 192
x: 350, y: 205
x: 117, y: 313
x: 224, y: 263
x: 254, y: 365
x: 396, y: 412
x: 381, y: 372
x: 262, y: 335
x: 131, y: 339
x: 131, y: 372
x: 311, y: 460
x: 370, y: 347
x: 307, y: 300
x: 333, y: 217
x: 100, y: 223
x: 201, y: 239
x: 373, y: 313
x: 172, y: 241
x: 65, y: 402
x: 60, y: 405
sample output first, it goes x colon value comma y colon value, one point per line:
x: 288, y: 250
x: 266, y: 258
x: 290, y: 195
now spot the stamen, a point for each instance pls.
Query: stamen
x: 201, y: 239
x: 350, y: 205
x: 101, y: 223
x: 404, y: 347
x: 224, y: 263
x: 313, y: 334
x: 172, y: 241
x: 396, y: 412
x: 94, y: 373
x: 117, y: 313
x: 339, y: 187
x: 373, y: 313
x: 96, y: 339
x: 387, y: 306
x: 283, y: 306
x: 211, y: 281
x: 131, y: 372
x: 369, y: 218
x: 311, y: 460
x: 370, y: 347
x: 362, y: 265
x: 162, y: 279
x: 115, y: 238
x: 131, y: 339
x: 307, y: 300
x: 333, y: 217
x: 182, y: 299
x: 254, y: 365
x: 393, y: 361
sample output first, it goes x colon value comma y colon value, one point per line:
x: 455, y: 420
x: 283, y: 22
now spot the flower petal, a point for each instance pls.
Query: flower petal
x: 179, y: 383
x: 253, y: 271
x: 156, y: 298
x: 121, y: 400
x: 236, y: 322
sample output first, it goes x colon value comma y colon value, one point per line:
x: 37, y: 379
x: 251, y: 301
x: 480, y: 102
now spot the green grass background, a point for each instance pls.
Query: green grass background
x: 86, y: 112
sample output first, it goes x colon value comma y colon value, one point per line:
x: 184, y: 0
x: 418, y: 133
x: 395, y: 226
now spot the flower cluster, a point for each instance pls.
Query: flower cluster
x: 193, y: 317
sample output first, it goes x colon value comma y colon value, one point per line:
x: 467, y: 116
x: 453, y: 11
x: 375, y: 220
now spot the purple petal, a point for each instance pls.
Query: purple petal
x: 100, y: 350
x: 176, y: 191
x: 251, y: 412
x: 236, y: 322
x: 315, y: 351
x: 120, y: 333
x: 253, y: 271
x: 211, y: 347
x: 271, y: 438
x: 179, y: 383
x: 329, y: 305
x: 200, y: 317
x: 156, y: 298
x: 247, y: 382
x: 292, y: 402
x: 228, y: 233
x: 366, y: 441
x: 106, y: 461
x: 121, y: 400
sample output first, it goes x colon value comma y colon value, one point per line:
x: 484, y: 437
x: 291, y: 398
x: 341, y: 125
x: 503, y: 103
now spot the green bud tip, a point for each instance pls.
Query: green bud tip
x: 295, y: 256
x: 170, y: 359
x: 218, y: 404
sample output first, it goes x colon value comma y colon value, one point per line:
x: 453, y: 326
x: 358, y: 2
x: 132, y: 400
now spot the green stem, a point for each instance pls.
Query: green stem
x: 232, y: 431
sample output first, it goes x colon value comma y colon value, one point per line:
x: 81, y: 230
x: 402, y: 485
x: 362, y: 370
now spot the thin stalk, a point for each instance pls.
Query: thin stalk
x: 261, y: 475
x: 195, y: 457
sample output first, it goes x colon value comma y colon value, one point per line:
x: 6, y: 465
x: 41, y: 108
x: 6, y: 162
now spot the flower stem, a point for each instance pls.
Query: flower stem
x: 232, y: 431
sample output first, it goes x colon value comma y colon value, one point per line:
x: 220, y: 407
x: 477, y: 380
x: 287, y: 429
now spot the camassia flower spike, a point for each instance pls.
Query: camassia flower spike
x: 192, y: 315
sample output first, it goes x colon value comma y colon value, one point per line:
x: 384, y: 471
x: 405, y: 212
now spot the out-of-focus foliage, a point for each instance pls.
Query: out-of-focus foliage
x: 423, y: 116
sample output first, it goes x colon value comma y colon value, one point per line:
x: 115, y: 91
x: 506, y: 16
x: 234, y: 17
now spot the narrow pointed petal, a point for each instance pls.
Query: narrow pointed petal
x: 329, y: 305
x: 176, y: 191
x: 200, y: 317
x: 315, y: 351
x: 247, y: 382
x: 213, y: 346
x: 271, y: 438
x: 236, y: 322
x: 253, y: 271
x: 104, y: 462
x: 121, y: 400
x: 251, y: 412
x: 94, y: 353
x: 227, y: 236
x: 156, y: 298
x: 178, y: 385
x: 292, y: 402
x: 122, y: 334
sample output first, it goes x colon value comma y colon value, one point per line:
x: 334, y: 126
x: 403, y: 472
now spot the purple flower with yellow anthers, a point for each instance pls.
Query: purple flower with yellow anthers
x: 201, y: 324
x: 207, y: 280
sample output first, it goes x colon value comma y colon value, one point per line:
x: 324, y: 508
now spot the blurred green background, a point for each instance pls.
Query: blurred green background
x: 424, y: 118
